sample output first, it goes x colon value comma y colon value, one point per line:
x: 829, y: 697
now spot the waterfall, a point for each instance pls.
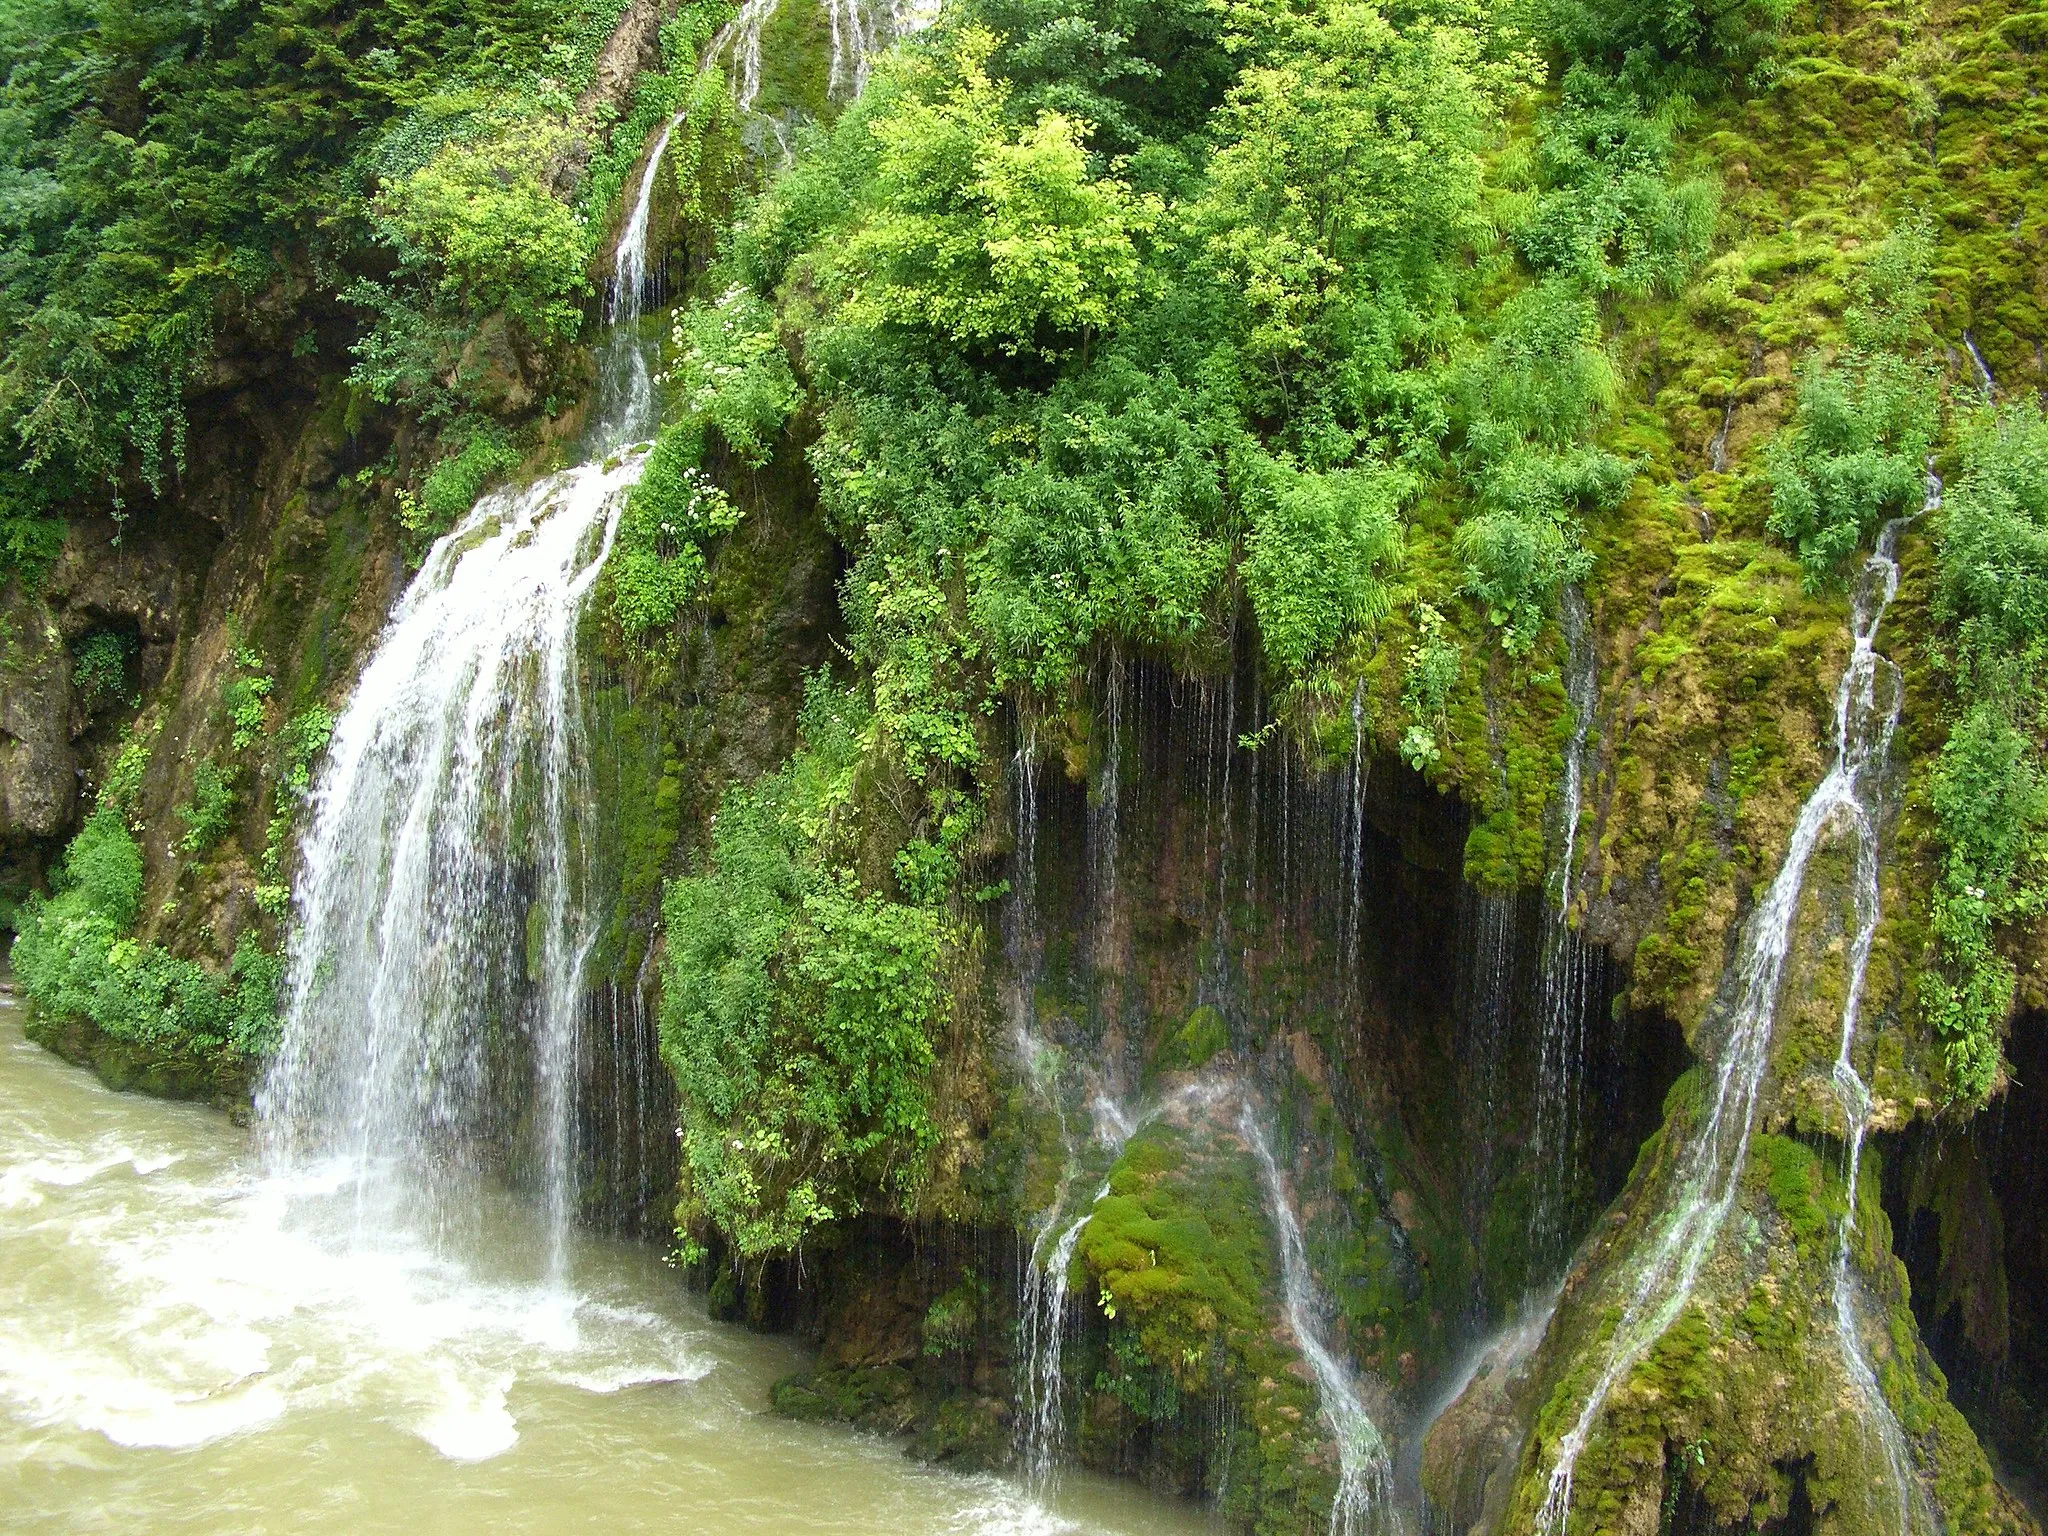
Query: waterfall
x: 1485, y: 1008
x: 1042, y: 1320
x: 1561, y: 1056
x: 1852, y: 1094
x: 627, y: 411
x: 1711, y: 1163
x: 1105, y: 833
x: 1365, y: 1471
x: 1042, y: 1310
x: 447, y: 906
x: 858, y: 32
x: 740, y: 41
x: 1354, y: 829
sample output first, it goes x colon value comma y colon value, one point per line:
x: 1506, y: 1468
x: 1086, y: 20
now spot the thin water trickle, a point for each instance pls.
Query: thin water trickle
x: 1710, y: 1166
x: 1566, y: 979
x: 1852, y: 1094
x: 1365, y: 1477
x: 1042, y: 1312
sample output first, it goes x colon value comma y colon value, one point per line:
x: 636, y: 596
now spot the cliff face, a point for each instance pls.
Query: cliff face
x: 1252, y: 1033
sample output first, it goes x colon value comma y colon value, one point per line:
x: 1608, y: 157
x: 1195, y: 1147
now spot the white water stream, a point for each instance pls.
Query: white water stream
x: 446, y: 907
x: 1711, y: 1163
x: 1561, y: 1056
x: 1365, y: 1476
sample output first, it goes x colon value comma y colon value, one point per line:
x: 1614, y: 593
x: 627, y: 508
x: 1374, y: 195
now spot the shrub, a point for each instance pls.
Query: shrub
x: 99, y: 668
x: 797, y: 1010
x: 74, y: 960
x: 658, y: 554
x: 1317, y: 556
x: 1990, y: 785
x: 1863, y: 424
x: 454, y: 484
x: 1693, y: 45
x: 211, y: 810
x: 733, y: 374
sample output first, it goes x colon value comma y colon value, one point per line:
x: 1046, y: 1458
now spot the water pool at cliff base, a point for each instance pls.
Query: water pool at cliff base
x: 189, y: 1345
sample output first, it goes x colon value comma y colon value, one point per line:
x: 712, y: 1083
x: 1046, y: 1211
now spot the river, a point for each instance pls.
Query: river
x: 187, y: 1344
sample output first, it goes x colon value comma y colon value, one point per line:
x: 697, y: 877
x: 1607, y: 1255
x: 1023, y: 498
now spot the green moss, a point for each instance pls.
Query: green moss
x: 1189, y: 1048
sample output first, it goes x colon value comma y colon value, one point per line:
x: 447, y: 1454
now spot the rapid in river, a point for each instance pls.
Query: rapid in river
x: 189, y: 1344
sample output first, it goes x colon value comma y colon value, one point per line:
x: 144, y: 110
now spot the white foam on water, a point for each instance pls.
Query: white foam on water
x: 470, y: 1422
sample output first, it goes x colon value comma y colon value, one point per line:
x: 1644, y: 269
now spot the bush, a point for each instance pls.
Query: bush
x: 74, y: 960
x: 99, y: 669
x: 1863, y: 424
x: 1990, y: 785
x: 1527, y: 402
x: 454, y: 484
x: 1610, y: 217
x: 211, y: 810
x: 733, y: 374
x: 1317, y: 558
x: 797, y: 1010
x: 658, y: 554
x: 1658, y: 45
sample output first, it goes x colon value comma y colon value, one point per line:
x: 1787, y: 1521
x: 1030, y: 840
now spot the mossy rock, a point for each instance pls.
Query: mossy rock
x: 1191, y: 1047
x: 968, y: 1433
x: 878, y: 1397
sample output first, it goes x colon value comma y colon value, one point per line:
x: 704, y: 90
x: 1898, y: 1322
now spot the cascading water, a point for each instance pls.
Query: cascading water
x: 1043, y: 1309
x: 859, y: 32
x: 1875, y: 675
x: 1485, y: 1005
x: 1711, y: 1163
x: 627, y: 410
x: 1042, y: 1321
x: 740, y: 42
x: 1365, y: 1476
x: 446, y: 908
x: 1561, y: 1056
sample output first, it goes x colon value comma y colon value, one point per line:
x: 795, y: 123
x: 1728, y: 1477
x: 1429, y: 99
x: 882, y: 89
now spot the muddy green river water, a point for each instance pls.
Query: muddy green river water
x: 190, y: 1345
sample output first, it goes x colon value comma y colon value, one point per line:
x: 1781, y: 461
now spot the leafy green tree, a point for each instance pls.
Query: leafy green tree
x: 1318, y: 553
x: 1344, y: 187
x: 991, y: 234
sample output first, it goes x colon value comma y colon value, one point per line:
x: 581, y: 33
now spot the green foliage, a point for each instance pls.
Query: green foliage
x: 211, y: 811
x: 163, y: 166
x: 1990, y: 786
x: 671, y: 516
x: 122, y: 788
x: 1317, y: 551
x: 74, y: 960
x: 246, y: 698
x: 99, y: 669
x: 954, y: 1319
x: 797, y: 1011
x: 103, y: 869
x: 1429, y: 676
x: 990, y: 233
x: 304, y: 738
x: 453, y: 485
x: 1609, y: 216
x: 1345, y: 186
x: 1667, y: 44
x: 731, y: 372
x: 1856, y: 451
x: 1527, y: 404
